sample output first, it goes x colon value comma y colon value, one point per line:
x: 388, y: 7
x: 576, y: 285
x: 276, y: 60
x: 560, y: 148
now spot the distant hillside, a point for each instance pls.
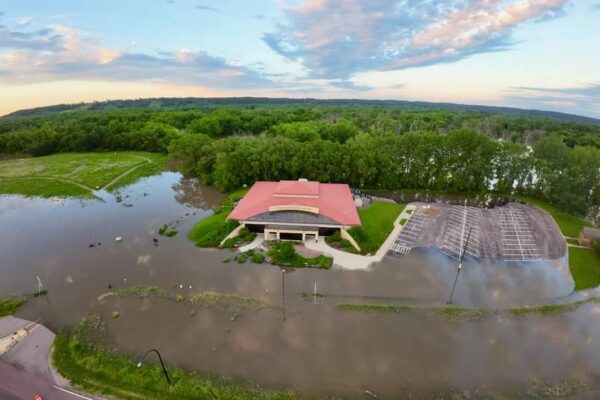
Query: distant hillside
x: 191, y: 102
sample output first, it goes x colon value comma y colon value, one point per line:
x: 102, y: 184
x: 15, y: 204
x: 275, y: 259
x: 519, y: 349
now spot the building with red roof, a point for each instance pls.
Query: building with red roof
x: 296, y: 210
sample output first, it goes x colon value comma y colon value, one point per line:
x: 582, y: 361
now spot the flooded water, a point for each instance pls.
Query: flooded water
x: 70, y: 245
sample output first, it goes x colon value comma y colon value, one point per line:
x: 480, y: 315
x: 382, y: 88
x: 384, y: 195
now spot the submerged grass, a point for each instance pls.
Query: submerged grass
x: 228, y: 301
x: 10, y: 306
x: 449, y: 314
x: 462, y: 314
x: 550, y: 309
x: 97, y: 369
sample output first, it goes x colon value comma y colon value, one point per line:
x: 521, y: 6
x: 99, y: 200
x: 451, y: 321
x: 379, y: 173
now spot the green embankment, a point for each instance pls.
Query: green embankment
x: 585, y: 267
x: 76, y: 174
x: 377, y: 223
x: 211, y: 230
x: 10, y: 306
x: 98, y: 370
x: 583, y: 263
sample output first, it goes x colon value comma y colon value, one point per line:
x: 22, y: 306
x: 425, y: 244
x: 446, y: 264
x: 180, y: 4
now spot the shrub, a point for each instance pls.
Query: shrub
x: 283, y: 253
x: 258, y: 258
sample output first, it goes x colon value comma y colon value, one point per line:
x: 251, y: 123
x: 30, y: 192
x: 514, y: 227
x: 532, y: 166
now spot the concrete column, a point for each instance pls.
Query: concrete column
x: 303, y: 237
x: 278, y: 235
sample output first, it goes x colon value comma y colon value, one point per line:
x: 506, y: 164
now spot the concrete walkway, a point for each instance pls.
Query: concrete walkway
x: 258, y: 240
x: 351, y: 261
x: 31, y: 355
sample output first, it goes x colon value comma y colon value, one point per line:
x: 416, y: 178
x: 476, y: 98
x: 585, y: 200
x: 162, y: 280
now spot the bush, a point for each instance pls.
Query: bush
x: 283, y: 253
x: 243, y: 237
x: 258, y: 258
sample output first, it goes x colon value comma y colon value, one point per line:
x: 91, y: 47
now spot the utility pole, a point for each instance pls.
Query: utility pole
x: 283, y: 291
x: 460, y: 262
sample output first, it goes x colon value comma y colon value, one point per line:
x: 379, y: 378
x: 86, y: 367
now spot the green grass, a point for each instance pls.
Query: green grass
x: 462, y: 314
x: 569, y: 224
x: 40, y: 187
x: 284, y: 254
x: 211, y: 230
x: 243, y: 237
x: 447, y: 314
x: 96, y: 369
x: 585, y: 267
x: 10, y: 306
x: 76, y: 174
x: 550, y: 309
x: 377, y: 223
x: 207, y: 298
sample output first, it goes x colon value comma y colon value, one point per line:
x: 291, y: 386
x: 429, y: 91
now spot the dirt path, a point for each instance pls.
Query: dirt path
x: 148, y: 161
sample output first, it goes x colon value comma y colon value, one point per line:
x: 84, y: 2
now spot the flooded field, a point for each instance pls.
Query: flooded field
x: 70, y: 245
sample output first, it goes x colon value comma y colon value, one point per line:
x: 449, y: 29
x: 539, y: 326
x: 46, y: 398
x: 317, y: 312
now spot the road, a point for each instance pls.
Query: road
x: 17, y: 384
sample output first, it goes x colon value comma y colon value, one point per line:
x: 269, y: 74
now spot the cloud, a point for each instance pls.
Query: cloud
x: 25, y: 21
x: 349, y: 85
x: 581, y: 99
x: 336, y: 39
x: 76, y: 55
x: 207, y: 8
x: 41, y: 39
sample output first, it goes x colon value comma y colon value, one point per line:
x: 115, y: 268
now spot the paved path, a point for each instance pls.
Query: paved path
x: 18, y: 384
x: 25, y: 368
x: 351, y: 261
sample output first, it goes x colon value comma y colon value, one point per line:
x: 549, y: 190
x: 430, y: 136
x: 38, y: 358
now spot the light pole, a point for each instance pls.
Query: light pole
x: 139, y: 364
x: 283, y: 291
x: 460, y: 262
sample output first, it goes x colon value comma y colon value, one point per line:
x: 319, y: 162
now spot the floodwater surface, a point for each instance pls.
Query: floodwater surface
x: 70, y: 244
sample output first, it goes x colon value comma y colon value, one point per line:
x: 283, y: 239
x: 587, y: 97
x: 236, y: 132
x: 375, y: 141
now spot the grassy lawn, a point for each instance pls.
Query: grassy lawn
x: 569, y: 225
x: 42, y: 187
x: 585, y: 267
x: 211, y: 230
x: 98, y: 370
x: 76, y: 174
x: 377, y: 223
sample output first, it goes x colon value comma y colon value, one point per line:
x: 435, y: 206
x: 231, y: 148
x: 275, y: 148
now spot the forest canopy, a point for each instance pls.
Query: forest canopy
x: 367, y: 147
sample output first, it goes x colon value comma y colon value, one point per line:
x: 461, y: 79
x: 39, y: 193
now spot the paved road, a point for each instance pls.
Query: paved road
x: 18, y: 384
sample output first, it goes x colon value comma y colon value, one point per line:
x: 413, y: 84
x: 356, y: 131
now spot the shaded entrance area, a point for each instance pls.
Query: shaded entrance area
x: 291, y: 232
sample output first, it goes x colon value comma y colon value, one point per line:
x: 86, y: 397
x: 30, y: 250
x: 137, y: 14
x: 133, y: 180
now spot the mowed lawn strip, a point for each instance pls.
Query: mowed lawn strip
x: 569, y: 224
x: 585, y: 267
x: 377, y: 223
x: 69, y: 174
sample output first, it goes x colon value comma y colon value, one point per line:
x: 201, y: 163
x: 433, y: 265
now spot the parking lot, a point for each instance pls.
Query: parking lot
x: 514, y: 232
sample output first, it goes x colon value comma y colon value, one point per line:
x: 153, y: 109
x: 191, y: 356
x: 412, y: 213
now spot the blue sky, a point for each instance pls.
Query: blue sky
x: 542, y: 54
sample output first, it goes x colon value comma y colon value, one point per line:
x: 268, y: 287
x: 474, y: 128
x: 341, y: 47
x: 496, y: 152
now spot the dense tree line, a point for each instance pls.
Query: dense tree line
x: 367, y: 147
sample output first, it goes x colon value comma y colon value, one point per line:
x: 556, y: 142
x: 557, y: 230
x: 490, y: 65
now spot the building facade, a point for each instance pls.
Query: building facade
x: 296, y: 210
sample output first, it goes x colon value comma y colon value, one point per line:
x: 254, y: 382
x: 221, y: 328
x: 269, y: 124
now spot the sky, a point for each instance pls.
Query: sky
x: 537, y: 54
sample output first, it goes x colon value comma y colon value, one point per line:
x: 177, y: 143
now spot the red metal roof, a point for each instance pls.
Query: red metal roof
x: 333, y: 200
